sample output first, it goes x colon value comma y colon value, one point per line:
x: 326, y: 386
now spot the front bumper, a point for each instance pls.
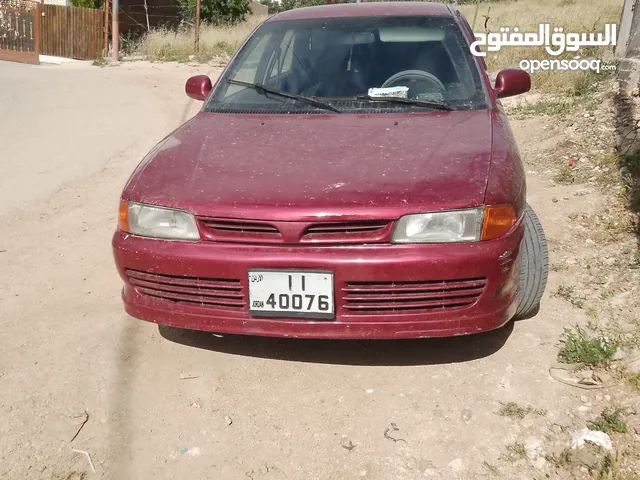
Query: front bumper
x: 493, y: 263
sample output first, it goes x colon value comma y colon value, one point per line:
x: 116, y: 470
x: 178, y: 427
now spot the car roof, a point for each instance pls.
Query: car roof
x: 364, y: 10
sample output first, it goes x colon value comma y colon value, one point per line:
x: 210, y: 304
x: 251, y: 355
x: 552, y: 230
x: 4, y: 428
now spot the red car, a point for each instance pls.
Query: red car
x: 352, y: 174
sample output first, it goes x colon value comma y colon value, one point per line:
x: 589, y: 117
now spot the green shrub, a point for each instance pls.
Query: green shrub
x: 609, y: 421
x: 88, y: 3
x: 578, y: 347
x: 216, y: 12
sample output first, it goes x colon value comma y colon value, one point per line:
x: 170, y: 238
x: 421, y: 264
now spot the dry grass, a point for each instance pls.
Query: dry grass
x: 579, y: 16
x: 518, y: 412
x: 215, y: 42
x: 515, y: 451
x: 633, y: 379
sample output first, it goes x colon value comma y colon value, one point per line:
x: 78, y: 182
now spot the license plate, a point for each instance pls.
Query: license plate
x: 291, y: 293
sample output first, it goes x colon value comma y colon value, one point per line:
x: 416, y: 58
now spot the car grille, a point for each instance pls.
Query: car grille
x: 254, y: 231
x: 345, y: 230
x: 411, y: 297
x: 227, y: 226
x: 210, y: 292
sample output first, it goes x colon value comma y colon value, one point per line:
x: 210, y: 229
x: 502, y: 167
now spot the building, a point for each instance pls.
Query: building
x: 259, y: 10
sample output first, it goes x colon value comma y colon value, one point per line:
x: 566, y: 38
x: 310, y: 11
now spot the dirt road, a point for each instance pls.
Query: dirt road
x: 169, y: 404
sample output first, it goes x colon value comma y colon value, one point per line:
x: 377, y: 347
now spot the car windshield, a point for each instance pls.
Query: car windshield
x: 337, y: 61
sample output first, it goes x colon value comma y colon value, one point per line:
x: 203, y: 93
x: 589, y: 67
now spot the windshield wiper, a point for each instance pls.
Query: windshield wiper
x: 408, y: 101
x: 267, y: 90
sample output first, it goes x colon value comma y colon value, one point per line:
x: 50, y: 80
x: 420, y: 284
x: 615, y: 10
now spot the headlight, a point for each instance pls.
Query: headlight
x: 440, y: 227
x: 157, y: 222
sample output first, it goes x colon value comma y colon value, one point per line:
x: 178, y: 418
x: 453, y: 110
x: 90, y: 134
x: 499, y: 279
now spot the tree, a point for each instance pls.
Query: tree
x: 217, y: 12
x: 88, y: 3
x: 276, y: 7
x: 289, y: 4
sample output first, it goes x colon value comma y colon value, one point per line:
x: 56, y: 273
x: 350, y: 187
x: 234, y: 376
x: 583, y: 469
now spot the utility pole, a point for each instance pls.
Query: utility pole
x: 106, y: 28
x: 197, y: 34
x: 115, y: 31
x: 146, y: 12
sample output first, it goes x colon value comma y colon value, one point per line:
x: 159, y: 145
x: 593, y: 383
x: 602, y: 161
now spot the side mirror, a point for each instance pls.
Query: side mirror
x: 512, y: 81
x: 198, y: 87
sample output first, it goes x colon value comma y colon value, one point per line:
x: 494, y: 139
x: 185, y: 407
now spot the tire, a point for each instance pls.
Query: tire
x: 534, y: 266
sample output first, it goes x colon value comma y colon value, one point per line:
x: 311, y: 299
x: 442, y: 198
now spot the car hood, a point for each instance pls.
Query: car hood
x: 294, y: 167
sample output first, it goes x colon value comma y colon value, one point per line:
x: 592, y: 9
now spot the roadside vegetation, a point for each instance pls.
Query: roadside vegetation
x: 577, y: 346
x: 518, y: 412
x: 514, y: 452
x: 609, y: 421
x: 217, y: 42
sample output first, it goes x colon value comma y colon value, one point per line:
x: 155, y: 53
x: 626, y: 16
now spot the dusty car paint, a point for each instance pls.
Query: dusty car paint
x: 389, y: 165
x: 291, y: 172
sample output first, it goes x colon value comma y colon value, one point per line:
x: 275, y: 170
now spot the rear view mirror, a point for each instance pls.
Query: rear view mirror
x: 512, y: 81
x: 354, y: 38
x: 198, y: 87
x: 410, y: 34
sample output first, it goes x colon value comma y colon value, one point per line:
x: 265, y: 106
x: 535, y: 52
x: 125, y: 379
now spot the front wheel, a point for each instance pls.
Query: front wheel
x: 534, y: 266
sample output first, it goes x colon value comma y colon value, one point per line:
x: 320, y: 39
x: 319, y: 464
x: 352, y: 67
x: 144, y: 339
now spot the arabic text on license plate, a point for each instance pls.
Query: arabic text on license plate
x: 291, y: 293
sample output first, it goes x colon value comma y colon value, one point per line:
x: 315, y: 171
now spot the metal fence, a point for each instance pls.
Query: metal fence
x: 19, y: 31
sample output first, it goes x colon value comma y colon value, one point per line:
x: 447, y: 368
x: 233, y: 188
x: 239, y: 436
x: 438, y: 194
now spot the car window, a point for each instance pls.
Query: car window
x: 248, y: 69
x: 339, y: 59
x: 282, y: 57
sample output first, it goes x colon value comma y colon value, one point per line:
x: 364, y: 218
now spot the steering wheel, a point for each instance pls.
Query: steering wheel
x: 413, y: 77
